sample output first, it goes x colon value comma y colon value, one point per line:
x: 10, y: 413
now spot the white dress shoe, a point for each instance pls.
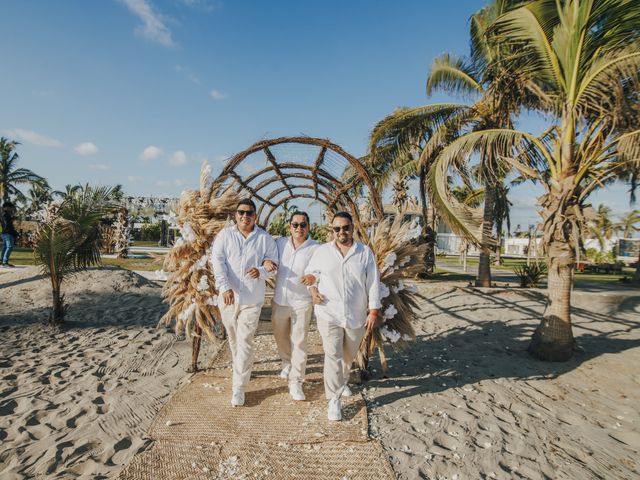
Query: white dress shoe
x: 237, y: 398
x: 295, y: 390
x: 286, y: 368
x: 346, y: 391
x: 334, y: 412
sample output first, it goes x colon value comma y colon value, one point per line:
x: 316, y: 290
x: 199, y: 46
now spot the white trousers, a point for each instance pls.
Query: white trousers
x: 241, y: 323
x: 340, y: 348
x: 290, y: 329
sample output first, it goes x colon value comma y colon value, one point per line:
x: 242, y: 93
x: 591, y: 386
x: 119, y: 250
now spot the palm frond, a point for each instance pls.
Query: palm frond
x: 452, y: 74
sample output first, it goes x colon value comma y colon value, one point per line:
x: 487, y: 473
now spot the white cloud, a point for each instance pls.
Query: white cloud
x: 162, y: 183
x: 150, y: 153
x: 86, y: 148
x: 178, y: 158
x: 218, y: 95
x: 178, y: 182
x: 98, y: 166
x: 132, y: 179
x: 30, y: 136
x: 153, y: 27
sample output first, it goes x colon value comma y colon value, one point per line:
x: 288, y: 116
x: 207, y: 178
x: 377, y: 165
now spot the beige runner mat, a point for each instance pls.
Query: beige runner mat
x: 198, y: 434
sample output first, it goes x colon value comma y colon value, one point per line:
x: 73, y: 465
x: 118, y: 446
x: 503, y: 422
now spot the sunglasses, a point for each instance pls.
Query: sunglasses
x: 344, y: 228
x: 248, y: 213
x: 299, y: 225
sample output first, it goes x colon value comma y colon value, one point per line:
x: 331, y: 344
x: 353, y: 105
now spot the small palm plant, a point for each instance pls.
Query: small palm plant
x: 69, y: 241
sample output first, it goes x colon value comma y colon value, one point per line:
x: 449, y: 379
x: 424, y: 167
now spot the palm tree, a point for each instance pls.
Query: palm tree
x: 498, y: 92
x: 602, y: 227
x: 70, y: 241
x: 10, y: 175
x: 583, y: 60
x: 38, y: 196
x: 627, y: 224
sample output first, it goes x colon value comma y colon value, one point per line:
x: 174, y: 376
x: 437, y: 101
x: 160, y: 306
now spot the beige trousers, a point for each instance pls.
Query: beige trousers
x: 241, y: 323
x: 290, y: 329
x: 340, y: 348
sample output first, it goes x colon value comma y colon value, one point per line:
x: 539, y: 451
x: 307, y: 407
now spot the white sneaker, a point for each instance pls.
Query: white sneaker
x: 286, y: 368
x: 295, y: 390
x: 237, y: 398
x: 346, y: 391
x: 334, y: 412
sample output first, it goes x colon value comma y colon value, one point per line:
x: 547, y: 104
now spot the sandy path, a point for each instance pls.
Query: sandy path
x: 466, y: 401
x: 78, y: 402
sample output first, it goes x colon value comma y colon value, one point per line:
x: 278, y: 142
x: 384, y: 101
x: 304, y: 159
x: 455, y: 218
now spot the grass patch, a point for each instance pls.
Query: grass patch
x: 24, y: 256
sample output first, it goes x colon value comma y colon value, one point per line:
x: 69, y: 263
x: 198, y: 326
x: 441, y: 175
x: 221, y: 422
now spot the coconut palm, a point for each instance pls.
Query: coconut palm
x: 498, y: 92
x: 583, y: 60
x: 602, y: 227
x: 10, y: 175
x: 627, y: 224
x: 69, y: 241
x: 37, y: 197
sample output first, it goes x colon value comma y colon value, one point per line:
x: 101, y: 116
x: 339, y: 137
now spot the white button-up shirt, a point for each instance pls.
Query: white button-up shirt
x: 350, y: 284
x: 290, y: 291
x: 232, y: 255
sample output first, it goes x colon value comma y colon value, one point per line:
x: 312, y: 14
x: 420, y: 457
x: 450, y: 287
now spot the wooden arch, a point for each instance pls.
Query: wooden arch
x: 332, y: 175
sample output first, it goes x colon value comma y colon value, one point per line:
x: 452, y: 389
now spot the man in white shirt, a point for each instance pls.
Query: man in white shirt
x: 347, y: 299
x: 237, y: 256
x: 292, y: 305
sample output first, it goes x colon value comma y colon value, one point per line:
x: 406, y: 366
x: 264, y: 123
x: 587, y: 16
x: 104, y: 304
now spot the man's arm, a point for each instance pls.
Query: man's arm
x: 373, y: 290
x: 219, y: 263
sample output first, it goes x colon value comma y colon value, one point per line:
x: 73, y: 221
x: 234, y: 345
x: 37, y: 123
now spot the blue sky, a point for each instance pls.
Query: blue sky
x: 139, y: 92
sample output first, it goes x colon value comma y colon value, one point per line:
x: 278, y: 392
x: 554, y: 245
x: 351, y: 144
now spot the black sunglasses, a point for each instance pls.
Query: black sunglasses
x: 301, y: 225
x: 344, y: 228
x: 248, y: 213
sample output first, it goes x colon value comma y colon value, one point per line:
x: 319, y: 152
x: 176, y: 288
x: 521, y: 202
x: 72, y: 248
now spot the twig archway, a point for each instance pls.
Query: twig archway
x: 301, y: 167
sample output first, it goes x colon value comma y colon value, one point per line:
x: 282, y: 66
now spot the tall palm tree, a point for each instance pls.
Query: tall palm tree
x: 627, y: 224
x: 602, y: 226
x: 70, y: 241
x: 583, y: 60
x: 37, y: 197
x: 498, y: 93
x: 10, y: 175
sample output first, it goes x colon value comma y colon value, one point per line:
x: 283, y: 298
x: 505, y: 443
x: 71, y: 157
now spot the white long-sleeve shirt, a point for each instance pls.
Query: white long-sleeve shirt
x: 232, y: 255
x: 350, y: 284
x: 290, y: 291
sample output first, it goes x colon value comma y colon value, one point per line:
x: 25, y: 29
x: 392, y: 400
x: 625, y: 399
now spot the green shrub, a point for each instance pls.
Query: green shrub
x: 530, y: 275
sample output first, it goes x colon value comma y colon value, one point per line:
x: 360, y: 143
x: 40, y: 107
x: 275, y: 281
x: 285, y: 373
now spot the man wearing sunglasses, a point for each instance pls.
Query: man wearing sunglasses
x: 347, y: 299
x: 237, y: 256
x: 292, y: 305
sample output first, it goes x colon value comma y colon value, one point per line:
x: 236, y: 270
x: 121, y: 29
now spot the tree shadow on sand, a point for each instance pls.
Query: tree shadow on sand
x: 482, y: 346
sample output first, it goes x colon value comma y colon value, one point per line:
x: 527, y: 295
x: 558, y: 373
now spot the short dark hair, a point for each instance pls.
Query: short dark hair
x: 304, y: 214
x: 248, y: 202
x: 346, y: 215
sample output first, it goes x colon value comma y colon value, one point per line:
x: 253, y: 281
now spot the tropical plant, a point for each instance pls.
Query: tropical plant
x: 69, y: 241
x: 10, y: 175
x: 582, y: 58
x: 498, y: 92
x: 530, y: 275
x: 627, y: 224
x: 602, y: 227
x: 38, y: 197
x: 279, y: 226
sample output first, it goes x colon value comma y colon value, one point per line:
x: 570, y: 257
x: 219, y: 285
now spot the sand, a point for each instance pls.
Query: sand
x: 464, y: 402
x: 78, y: 402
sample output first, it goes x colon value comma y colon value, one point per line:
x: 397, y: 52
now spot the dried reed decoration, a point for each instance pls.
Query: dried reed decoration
x: 190, y: 287
x: 400, y: 259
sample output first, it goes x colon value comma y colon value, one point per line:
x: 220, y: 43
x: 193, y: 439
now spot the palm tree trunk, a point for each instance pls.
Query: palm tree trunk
x: 553, y: 338
x: 636, y: 275
x: 427, y: 227
x: 498, y: 257
x: 487, y: 241
x: 57, y: 314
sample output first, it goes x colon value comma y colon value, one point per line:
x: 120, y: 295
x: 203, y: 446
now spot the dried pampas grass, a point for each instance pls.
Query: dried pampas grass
x: 400, y: 259
x: 190, y: 286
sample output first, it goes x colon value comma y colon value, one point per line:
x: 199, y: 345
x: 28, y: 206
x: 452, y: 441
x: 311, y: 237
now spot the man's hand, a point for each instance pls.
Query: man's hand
x: 269, y: 266
x: 228, y: 297
x: 308, y: 280
x: 253, y: 273
x: 372, y: 320
x: 317, y: 297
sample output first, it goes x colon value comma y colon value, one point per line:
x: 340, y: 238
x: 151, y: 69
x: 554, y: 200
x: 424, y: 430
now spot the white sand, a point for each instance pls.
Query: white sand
x: 465, y: 402
x: 77, y: 402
